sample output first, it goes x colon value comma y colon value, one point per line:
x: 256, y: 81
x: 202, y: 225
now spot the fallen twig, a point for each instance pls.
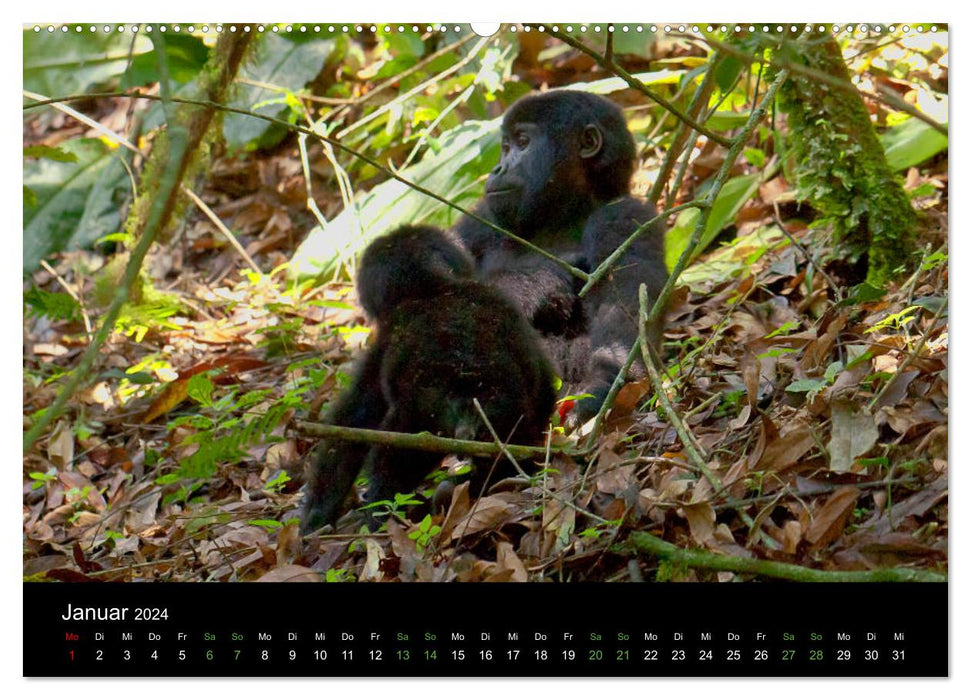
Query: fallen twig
x: 698, y: 559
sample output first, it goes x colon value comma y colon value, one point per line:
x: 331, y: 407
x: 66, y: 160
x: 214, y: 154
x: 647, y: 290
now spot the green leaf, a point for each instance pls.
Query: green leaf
x: 140, y: 377
x: 57, y: 306
x: 730, y: 200
x: 77, y: 202
x: 49, y: 152
x: 267, y: 523
x: 806, y: 385
x: 910, y: 143
x: 865, y: 292
x: 931, y: 303
x: 776, y: 352
x: 186, y: 56
x: 67, y: 63
x: 725, y: 119
x: 727, y: 70
x: 832, y: 370
x: 924, y: 190
x: 283, y: 63
x: 200, y: 389
x: 755, y: 156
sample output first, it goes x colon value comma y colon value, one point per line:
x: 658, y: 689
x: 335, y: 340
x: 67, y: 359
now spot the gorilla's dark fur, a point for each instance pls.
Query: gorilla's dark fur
x: 563, y: 183
x: 443, y: 339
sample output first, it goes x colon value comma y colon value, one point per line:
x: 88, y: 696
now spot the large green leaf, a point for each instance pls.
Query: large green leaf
x: 609, y: 85
x: 281, y: 63
x: 67, y: 63
x: 76, y: 203
x: 185, y: 54
x: 732, y: 259
x: 910, y: 143
x: 730, y: 200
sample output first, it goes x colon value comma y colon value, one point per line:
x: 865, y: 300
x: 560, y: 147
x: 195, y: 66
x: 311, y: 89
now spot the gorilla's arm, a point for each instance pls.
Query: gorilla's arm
x: 611, y: 306
x: 544, y: 293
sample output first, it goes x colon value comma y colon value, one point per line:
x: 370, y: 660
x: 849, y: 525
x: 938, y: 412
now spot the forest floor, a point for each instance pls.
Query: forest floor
x: 819, y: 405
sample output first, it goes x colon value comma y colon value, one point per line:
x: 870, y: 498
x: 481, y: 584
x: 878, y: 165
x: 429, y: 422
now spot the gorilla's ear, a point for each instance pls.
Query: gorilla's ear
x: 591, y: 141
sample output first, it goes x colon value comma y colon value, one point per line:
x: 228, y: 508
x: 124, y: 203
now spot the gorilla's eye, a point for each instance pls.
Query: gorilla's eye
x: 522, y: 140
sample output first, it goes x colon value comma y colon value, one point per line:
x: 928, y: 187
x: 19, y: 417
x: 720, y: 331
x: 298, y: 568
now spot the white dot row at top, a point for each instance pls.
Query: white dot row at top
x: 483, y: 30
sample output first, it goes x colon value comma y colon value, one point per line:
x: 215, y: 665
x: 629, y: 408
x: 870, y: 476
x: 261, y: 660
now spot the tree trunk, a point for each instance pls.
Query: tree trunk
x: 841, y: 167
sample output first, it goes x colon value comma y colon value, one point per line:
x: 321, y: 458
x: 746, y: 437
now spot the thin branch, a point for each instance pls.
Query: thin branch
x: 420, y: 88
x: 887, y: 95
x: 611, y: 259
x: 806, y: 254
x: 396, y: 79
x: 699, y: 559
x: 84, y: 119
x: 684, y: 133
x: 543, y: 489
x: 425, y: 441
x: 695, y: 457
x: 608, y: 403
x: 223, y: 229
x: 74, y: 294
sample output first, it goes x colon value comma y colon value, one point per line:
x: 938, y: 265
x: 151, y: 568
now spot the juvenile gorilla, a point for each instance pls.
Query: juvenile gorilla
x: 442, y: 340
x: 563, y: 183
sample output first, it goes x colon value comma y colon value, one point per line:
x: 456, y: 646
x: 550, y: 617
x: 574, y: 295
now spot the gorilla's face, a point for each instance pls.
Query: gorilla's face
x: 539, y: 183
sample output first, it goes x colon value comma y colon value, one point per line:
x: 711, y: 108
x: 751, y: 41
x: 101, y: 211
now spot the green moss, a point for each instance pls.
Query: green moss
x: 841, y: 168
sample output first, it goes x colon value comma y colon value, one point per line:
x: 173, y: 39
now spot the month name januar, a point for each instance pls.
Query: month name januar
x: 75, y: 613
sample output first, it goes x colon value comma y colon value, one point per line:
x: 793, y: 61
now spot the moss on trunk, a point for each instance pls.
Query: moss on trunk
x: 841, y: 167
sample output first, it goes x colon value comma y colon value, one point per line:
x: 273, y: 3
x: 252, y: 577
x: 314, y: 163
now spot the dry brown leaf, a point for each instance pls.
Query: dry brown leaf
x: 171, y: 396
x: 177, y: 391
x: 816, y: 355
x: 628, y: 398
x: 372, y: 564
x: 497, y: 575
x: 787, y: 448
x: 288, y: 544
x: 80, y: 485
x: 60, y: 446
x: 142, y: 513
x: 487, y: 513
x: 853, y: 434
x: 904, y: 419
x: 915, y: 506
x: 896, y: 390
x: 457, y: 509
x: 701, y: 521
x: 507, y: 560
x: 791, y: 536
x: 829, y: 519
x: 290, y: 573
x: 614, y: 479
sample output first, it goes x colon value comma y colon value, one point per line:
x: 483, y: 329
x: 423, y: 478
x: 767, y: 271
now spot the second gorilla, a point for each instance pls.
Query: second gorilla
x: 443, y: 339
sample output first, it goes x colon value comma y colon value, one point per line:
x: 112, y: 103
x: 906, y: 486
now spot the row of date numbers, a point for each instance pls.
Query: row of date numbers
x: 513, y: 655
